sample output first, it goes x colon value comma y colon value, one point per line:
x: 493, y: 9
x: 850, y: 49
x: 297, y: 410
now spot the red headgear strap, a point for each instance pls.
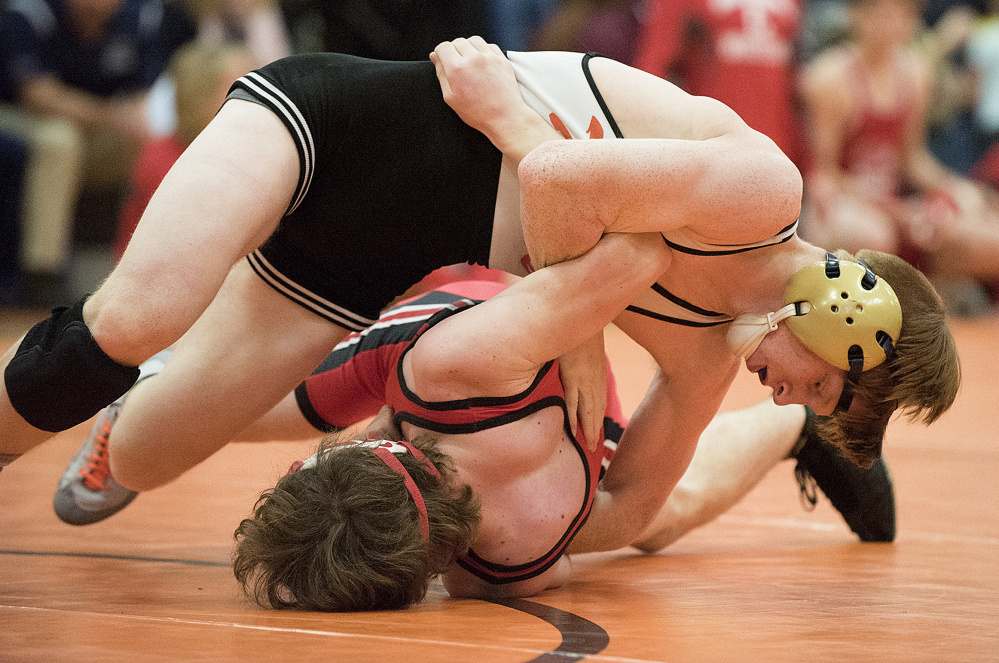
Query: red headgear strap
x: 384, y: 450
x: 393, y: 462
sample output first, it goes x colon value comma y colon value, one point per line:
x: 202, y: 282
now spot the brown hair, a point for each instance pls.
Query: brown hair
x: 344, y: 535
x: 922, y: 379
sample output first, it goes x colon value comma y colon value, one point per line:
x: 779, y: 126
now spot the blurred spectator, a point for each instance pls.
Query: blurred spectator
x: 741, y: 52
x: 608, y: 27
x: 73, y: 78
x: 258, y: 24
x: 515, y: 23
x: 202, y: 74
x: 954, y: 134
x: 934, y: 10
x: 867, y: 103
x: 983, y: 56
x: 13, y: 161
x: 386, y: 29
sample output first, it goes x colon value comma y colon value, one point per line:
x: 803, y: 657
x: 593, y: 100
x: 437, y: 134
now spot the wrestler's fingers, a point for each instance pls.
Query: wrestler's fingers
x: 463, y: 46
x: 592, y: 431
x: 479, y: 44
x: 571, y: 403
x: 441, y: 74
x: 446, y: 54
x: 591, y: 423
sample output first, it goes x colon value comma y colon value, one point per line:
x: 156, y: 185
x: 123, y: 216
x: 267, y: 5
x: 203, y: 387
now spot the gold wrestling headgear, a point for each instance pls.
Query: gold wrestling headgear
x: 846, y: 315
x: 852, y: 313
x: 841, y: 311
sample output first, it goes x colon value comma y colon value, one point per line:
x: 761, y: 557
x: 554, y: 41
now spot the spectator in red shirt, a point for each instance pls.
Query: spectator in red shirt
x: 741, y: 52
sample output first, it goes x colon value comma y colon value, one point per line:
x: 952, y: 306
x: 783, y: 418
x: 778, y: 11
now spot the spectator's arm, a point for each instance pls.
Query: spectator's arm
x: 47, y: 96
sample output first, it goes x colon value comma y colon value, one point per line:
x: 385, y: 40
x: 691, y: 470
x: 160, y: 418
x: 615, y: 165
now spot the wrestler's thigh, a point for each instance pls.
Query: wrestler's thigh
x: 249, y: 349
x: 222, y: 199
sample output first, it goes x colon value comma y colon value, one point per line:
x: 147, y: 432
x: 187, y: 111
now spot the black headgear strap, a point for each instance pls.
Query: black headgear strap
x: 856, y: 354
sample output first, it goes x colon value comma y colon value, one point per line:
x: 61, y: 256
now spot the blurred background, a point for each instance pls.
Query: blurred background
x: 890, y: 108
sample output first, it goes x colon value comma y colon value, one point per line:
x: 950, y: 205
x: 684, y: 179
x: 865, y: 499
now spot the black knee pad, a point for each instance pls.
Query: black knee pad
x: 59, y: 376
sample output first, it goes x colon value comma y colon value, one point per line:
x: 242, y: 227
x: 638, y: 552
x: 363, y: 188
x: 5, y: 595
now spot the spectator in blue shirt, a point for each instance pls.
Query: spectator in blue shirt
x: 73, y: 81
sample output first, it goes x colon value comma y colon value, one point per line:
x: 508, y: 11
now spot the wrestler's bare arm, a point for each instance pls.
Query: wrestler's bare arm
x: 688, y: 161
x: 732, y: 188
x: 496, y: 348
x: 656, y: 448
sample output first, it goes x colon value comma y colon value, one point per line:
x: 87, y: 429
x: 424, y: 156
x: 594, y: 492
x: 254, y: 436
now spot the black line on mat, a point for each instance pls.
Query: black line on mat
x: 127, y: 558
x: 580, y: 637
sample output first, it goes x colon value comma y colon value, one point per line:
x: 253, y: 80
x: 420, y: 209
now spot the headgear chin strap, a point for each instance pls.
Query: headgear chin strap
x: 841, y: 311
x: 749, y: 329
x: 386, y: 450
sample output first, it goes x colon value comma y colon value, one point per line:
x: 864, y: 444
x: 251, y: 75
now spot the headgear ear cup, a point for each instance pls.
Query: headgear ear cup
x: 850, y: 308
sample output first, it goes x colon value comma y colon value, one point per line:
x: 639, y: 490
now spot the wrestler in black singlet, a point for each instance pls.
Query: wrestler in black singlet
x: 393, y: 184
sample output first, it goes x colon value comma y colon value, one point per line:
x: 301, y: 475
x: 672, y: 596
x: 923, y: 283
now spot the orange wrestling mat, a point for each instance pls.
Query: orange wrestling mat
x: 765, y: 582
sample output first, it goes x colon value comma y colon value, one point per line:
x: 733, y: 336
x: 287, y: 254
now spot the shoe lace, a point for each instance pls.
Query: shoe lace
x: 98, y: 469
x: 809, y: 495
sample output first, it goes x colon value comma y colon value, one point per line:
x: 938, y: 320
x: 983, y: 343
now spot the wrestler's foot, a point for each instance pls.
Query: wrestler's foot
x: 865, y: 498
x: 87, y: 492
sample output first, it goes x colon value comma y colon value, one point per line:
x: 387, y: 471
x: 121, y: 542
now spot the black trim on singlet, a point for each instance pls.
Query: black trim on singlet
x: 728, y: 252
x: 676, y: 321
x: 596, y: 93
x: 613, y: 431
x: 309, y: 412
x: 400, y: 330
x: 558, y: 550
x: 463, y: 403
x: 684, y: 304
x: 327, y: 310
x: 481, y: 425
x: 509, y: 568
x: 257, y: 88
x: 693, y: 308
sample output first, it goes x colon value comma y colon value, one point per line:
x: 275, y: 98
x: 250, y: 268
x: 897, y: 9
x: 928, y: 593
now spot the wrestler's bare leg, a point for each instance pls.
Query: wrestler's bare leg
x: 734, y: 453
x: 222, y: 199
x: 249, y: 349
x: 284, y: 421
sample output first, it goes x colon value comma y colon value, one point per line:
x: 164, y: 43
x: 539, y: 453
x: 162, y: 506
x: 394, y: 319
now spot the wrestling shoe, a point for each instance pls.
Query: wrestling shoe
x: 865, y: 498
x: 87, y: 492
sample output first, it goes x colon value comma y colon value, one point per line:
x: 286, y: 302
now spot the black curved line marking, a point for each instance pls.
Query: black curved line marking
x: 127, y: 558
x: 580, y: 637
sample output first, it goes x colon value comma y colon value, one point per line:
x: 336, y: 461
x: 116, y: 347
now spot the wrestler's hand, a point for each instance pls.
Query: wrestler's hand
x: 584, y: 380
x: 479, y: 84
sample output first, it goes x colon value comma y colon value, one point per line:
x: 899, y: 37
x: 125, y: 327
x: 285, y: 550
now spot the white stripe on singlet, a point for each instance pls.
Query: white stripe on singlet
x: 354, y: 339
x: 681, y: 241
x: 310, y: 300
x: 303, y: 137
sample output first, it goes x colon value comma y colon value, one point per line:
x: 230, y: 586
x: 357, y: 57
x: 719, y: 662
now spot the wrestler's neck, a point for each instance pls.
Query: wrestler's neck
x: 757, y: 286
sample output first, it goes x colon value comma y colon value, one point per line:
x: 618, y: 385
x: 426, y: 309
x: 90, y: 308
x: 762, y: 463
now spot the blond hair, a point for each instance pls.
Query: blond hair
x: 202, y: 72
x: 921, y: 380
